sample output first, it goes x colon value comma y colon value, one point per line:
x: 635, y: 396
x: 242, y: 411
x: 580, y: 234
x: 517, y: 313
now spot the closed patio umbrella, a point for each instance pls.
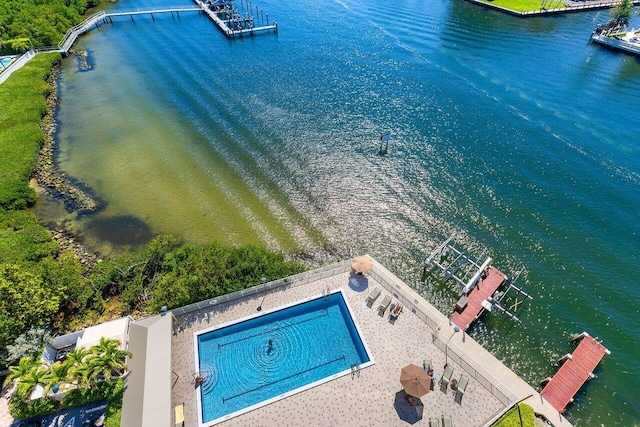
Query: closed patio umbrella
x: 415, y: 381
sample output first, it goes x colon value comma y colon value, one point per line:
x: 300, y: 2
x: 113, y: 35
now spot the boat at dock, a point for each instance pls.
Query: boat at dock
x: 628, y: 41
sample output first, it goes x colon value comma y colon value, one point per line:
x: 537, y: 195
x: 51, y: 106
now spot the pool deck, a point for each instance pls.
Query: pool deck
x: 372, y: 398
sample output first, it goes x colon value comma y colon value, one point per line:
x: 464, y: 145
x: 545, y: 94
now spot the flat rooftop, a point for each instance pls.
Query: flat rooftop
x: 374, y: 396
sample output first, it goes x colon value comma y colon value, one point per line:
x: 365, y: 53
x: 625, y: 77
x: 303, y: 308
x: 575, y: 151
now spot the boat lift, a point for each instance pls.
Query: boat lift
x: 468, y: 271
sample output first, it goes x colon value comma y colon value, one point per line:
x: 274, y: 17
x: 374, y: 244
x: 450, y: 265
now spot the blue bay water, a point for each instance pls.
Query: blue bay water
x: 515, y: 131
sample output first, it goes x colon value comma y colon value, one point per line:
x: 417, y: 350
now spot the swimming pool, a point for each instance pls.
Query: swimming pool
x: 258, y: 360
x: 6, y: 60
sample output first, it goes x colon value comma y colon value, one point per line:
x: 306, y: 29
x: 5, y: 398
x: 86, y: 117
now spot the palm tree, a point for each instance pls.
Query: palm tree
x: 622, y: 12
x: 39, y: 375
x: 24, y: 366
x: 75, y: 363
x: 59, y: 373
x: 109, y: 349
x: 105, y: 360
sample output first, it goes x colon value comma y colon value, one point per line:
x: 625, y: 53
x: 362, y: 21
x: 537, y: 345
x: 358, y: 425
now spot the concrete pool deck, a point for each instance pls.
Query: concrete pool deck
x: 372, y: 397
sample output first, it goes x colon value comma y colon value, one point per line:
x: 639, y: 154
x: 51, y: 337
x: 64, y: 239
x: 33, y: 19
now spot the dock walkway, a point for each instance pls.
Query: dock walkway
x: 578, y: 368
x: 484, y: 289
x: 102, y: 17
x: 229, y: 21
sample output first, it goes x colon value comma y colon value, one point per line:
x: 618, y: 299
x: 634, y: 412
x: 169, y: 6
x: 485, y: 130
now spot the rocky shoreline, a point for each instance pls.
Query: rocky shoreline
x: 49, y: 177
x: 76, y: 198
x: 69, y: 242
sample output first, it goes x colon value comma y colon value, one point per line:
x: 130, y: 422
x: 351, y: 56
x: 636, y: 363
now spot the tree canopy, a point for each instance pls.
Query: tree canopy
x: 622, y: 12
x: 42, y: 23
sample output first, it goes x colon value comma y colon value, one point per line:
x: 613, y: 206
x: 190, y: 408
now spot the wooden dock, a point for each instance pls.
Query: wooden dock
x: 102, y: 17
x: 576, y: 370
x: 467, y: 311
x: 624, y: 44
x: 484, y: 286
x: 230, y: 22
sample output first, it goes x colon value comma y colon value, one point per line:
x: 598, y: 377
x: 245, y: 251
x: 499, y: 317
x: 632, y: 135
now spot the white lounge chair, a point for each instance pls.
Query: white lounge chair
x: 395, y: 312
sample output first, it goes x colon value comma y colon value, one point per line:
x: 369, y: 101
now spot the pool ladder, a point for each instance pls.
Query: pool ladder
x: 326, y: 293
x: 355, y: 370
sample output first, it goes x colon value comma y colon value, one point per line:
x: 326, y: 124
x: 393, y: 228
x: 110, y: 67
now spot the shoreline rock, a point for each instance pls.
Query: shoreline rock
x: 48, y: 177
x: 70, y: 242
x: 76, y: 197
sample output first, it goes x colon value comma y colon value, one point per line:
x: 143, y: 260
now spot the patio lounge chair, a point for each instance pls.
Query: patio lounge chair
x: 179, y: 414
x: 395, y: 312
x: 373, y: 296
x: 446, y: 377
x: 462, y: 386
x: 384, y: 305
x: 446, y: 421
x: 434, y: 422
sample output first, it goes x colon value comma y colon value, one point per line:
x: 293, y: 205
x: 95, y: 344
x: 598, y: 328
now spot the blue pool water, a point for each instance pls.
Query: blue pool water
x: 6, y: 60
x: 257, y: 361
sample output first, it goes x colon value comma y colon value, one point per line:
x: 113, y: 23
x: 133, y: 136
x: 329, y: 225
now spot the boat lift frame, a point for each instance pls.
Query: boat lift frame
x: 474, y: 267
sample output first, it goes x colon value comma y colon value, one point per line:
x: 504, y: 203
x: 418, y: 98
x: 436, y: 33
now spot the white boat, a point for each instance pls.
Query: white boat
x: 625, y: 41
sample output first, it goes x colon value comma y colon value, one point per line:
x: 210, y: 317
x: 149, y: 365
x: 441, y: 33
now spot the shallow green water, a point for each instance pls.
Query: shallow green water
x: 515, y: 131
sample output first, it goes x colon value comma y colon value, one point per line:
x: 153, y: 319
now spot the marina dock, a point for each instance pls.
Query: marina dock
x: 231, y: 22
x: 574, y: 372
x: 470, y: 307
x: 627, y: 42
x: 484, y: 286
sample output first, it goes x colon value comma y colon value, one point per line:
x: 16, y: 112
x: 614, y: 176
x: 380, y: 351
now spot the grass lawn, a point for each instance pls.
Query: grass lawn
x: 519, y: 416
x: 525, y: 5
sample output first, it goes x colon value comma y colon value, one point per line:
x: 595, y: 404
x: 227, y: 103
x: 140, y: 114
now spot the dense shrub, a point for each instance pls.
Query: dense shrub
x: 22, y: 98
x: 112, y: 391
x: 35, y: 23
x: 175, y: 275
x: 21, y: 409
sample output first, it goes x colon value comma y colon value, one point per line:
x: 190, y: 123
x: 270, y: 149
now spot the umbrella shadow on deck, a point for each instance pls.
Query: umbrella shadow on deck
x: 358, y: 282
x: 407, y: 413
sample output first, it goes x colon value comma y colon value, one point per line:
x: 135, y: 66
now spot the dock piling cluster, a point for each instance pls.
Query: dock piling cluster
x: 233, y: 22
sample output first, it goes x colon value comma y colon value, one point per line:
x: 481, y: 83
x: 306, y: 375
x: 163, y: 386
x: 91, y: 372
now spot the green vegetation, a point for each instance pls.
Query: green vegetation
x: 47, y: 290
x: 622, y: 13
x: 23, y: 103
x: 521, y: 415
x: 28, y: 23
x: 526, y: 5
x: 44, y: 287
x: 92, y: 374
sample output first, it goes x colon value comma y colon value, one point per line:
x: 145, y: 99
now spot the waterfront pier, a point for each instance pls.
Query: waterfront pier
x: 232, y: 24
x: 98, y: 19
x: 484, y: 286
x: 576, y: 369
